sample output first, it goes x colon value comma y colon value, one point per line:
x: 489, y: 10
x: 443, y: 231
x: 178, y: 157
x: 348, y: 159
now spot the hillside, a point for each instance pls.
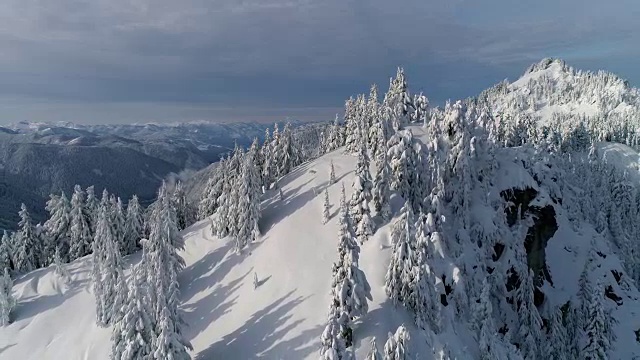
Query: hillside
x: 284, y: 317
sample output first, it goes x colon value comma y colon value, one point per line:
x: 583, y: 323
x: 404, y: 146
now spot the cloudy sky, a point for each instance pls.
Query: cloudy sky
x: 233, y: 60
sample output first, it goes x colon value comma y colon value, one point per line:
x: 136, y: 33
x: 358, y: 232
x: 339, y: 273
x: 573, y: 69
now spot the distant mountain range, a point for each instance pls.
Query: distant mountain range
x: 37, y: 159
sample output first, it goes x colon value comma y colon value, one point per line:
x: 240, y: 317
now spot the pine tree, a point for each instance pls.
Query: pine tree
x: 80, y: 230
x: 57, y: 227
x: 596, y: 327
x: 134, y: 226
x: 162, y: 265
x: 333, y: 344
x: 381, y: 190
x: 117, y: 222
x: 529, y: 332
x: 133, y: 334
x: 373, y: 354
x: 359, y: 205
x: 325, y: 207
x: 59, y: 267
x: 212, y: 191
x: 179, y: 198
x: 5, y: 252
x: 107, y: 270
x: 396, y: 347
x: 7, y: 301
x: 267, y: 161
x: 92, y: 207
x: 248, y: 207
x: 27, y: 247
x: 556, y: 344
x: 398, y: 277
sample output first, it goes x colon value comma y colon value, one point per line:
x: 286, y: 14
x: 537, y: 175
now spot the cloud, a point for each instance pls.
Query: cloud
x: 305, y: 54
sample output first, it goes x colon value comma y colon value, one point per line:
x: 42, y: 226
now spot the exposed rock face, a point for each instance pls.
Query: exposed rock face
x: 543, y: 228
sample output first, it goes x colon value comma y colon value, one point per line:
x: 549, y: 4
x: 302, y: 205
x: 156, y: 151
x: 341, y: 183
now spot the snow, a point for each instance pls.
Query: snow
x: 281, y: 319
x: 622, y: 157
x: 284, y: 316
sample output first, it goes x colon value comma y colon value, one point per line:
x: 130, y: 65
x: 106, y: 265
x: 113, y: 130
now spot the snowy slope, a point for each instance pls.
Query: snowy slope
x: 284, y: 317
x: 227, y: 318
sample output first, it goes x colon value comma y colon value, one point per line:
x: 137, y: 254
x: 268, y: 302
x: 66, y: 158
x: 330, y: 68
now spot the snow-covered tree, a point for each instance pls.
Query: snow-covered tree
x: 133, y: 335
x: 402, y: 159
x: 359, y: 205
x: 134, y: 225
x: 5, y: 252
x: 325, y: 207
x: 80, y: 235
x: 27, y: 248
x: 7, y: 301
x: 92, y: 207
x: 333, y: 344
x: 248, y: 207
x: 118, y: 222
x: 350, y: 289
x: 530, y: 324
x: 373, y: 354
x: 107, y: 270
x: 162, y: 263
x: 381, y: 187
x: 556, y: 343
x: 213, y: 189
x: 57, y: 227
x: 398, y: 277
x: 59, y: 268
x: 266, y: 153
x: 183, y: 211
x: 397, y: 345
x: 596, y: 326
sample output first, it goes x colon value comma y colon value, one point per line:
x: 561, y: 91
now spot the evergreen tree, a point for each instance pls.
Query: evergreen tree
x: 57, y: 227
x: 27, y: 248
x: 325, y: 207
x: 398, y: 277
x: 117, y: 219
x: 5, y: 252
x: 596, y: 326
x: 529, y: 332
x: 133, y: 335
x: 212, y: 191
x: 359, y: 205
x: 7, y: 301
x: 92, y: 208
x: 179, y: 198
x: 267, y: 161
x: 396, y: 347
x: 556, y: 344
x: 80, y: 231
x: 107, y: 271
x: 381, y: 190
x: 59, y: 267
x: 248, y: 207
x: 134, y: 226
x: 373, y: 354
x: 333, y: 344
x: 162, y: 265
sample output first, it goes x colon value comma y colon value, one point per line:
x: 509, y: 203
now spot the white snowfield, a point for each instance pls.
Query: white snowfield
x: 285, y: 315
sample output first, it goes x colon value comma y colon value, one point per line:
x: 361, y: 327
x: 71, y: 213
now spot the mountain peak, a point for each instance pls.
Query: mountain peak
x: 545, y: 64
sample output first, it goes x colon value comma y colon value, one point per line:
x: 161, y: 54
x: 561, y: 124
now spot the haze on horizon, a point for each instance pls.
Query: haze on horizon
x: 124, y: 61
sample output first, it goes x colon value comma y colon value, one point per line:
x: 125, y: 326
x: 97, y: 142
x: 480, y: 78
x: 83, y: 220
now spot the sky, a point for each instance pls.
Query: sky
x: 125, y: 61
